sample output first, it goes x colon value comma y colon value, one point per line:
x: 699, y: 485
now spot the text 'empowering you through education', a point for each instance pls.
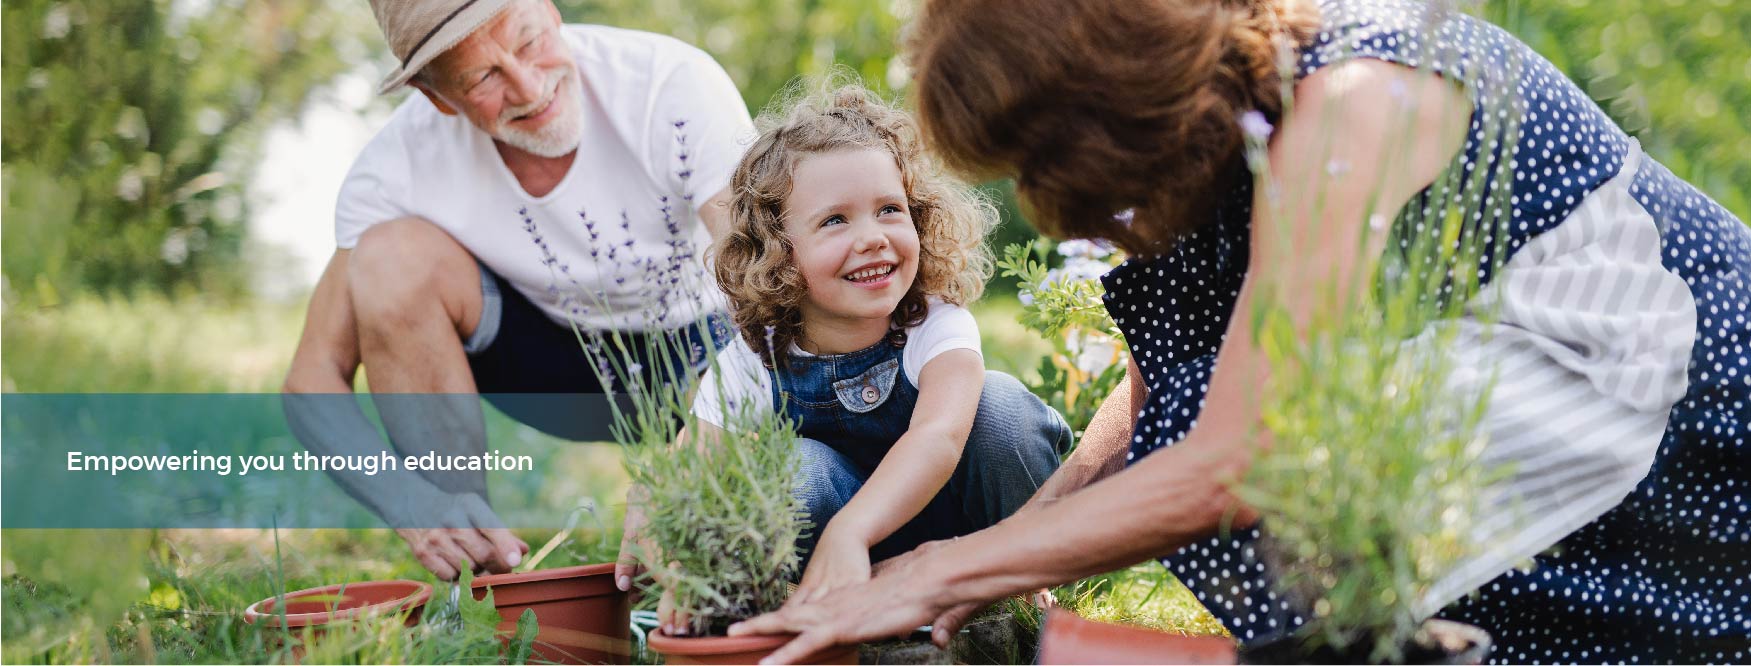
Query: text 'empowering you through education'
x: 301, y: 461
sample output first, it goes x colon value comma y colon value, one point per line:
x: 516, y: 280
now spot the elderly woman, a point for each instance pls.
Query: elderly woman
x: 1621, y: 356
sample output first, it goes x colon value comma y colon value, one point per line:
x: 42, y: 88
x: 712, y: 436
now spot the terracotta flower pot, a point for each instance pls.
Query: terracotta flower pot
x: 582, y: 618
x: 318, y: 607
x: 1066, y: 638
x: 738, y: 649
x: 334, y: 603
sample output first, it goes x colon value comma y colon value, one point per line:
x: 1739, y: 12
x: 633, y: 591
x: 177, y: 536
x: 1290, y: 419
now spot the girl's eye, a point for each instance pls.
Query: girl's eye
x: 892, y: 208
x: 832, y: 220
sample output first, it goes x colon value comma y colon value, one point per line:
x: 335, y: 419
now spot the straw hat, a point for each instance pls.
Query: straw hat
x: 420, y: 30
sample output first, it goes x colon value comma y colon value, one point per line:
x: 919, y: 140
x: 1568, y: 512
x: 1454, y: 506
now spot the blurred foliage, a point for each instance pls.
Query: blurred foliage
x: 1674, y: 73
x: 131, y: 127
x: 763, y: 44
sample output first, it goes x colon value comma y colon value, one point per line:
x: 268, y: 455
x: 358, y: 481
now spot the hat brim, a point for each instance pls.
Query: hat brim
x: 460, y: 26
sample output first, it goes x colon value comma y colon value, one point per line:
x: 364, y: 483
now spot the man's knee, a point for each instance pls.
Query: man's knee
x: 408, y: 264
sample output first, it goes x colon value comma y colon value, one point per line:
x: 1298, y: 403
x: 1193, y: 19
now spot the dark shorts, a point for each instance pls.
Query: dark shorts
x: 535, y: 370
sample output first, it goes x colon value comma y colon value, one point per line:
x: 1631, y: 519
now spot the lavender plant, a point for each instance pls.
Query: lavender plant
x: 1371, y: 487
x: 1063, y: 305
x: 722, y: 520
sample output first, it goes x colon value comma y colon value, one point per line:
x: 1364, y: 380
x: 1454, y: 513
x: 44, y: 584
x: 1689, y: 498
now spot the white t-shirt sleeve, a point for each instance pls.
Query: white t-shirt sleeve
x: 700, y: 127
x: 375, y: 188
x: 736, y: 381
x: 945, y: 327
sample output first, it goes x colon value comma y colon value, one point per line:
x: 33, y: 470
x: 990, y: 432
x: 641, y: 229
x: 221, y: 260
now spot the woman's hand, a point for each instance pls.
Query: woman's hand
x: 838, y: 561
x: 891, y: 604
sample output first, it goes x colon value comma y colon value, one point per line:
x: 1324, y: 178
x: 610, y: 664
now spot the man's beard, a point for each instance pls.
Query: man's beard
x: 562, y: 133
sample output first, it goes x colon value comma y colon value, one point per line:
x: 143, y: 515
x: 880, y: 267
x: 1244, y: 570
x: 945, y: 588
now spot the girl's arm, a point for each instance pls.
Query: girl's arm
x: 1346, y: 119
x: 911, y: 473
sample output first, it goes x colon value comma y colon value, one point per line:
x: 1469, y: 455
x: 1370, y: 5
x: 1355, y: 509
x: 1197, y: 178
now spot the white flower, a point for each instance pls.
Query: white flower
x: 1093, y: 353
x: 1086, y: 248
x: 1026, y: 297
x: 1256, y: 127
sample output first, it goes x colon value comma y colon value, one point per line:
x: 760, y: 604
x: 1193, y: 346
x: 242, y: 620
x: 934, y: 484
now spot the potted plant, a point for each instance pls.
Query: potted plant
x: 721, y: 527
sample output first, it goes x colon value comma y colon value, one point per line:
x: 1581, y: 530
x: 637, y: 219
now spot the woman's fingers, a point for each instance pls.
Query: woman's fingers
x: 805, y: 644
x: 950, y: 621
x: 775, y: 622
x: 1043, y: 599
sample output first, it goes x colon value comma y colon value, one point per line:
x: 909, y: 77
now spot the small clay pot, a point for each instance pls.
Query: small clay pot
x: 334, y: 603
x: 1066, y: 638
x: 316, y: 608
x: 1436, y: 642
x: 738, y: 649
x: 581, y: 617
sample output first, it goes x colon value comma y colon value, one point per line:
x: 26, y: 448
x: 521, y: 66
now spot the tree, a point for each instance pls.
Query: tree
x: 131, y: 126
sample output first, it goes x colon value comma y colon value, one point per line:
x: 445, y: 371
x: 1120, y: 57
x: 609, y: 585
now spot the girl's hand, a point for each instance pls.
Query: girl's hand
x: 838, y: 562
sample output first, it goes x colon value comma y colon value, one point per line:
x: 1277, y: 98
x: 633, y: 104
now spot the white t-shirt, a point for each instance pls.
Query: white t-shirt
x: 747, y: 381
x: 661, y: 120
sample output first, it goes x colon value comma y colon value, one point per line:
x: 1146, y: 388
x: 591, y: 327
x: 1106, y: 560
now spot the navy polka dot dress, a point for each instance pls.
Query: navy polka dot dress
x: 1662, y: 574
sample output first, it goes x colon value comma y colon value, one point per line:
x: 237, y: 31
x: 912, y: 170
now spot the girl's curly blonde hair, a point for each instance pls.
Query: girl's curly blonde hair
x: 755, y: 265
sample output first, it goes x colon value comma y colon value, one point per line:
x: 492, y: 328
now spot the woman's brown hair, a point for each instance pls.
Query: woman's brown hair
x: 1097, y: 107
x: 754, y: 264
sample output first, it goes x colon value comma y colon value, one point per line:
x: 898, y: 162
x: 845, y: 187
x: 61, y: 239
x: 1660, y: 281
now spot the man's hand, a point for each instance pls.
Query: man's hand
x: 478, y: 542
x: 838, y: 561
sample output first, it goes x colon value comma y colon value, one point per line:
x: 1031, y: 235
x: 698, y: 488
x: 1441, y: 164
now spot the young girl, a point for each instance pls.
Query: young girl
x: 848, y: 263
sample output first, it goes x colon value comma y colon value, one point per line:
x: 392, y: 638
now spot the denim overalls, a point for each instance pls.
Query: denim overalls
x: 859, y: 403
x: 850, y: 409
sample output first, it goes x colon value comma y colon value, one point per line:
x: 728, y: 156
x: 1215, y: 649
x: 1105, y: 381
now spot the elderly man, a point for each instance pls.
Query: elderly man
x: 500, y: 206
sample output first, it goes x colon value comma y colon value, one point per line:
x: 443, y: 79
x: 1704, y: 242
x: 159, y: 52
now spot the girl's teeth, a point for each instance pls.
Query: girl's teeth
x: 869, y: 273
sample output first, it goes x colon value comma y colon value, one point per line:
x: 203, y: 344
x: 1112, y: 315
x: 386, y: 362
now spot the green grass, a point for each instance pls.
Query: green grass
x: 177, y: 596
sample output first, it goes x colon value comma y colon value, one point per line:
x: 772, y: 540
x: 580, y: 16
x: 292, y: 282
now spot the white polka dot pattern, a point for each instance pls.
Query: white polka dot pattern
x: 1663, y: 576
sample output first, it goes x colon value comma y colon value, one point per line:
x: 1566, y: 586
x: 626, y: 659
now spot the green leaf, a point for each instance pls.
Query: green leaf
x: 524, y: 638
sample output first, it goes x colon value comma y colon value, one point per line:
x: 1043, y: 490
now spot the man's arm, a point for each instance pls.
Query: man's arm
x: 327, y: 357
x: 715, y: 215
x: 326, y: 419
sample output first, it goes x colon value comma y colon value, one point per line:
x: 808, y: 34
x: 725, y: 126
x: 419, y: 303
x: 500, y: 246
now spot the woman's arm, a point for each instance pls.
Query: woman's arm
x: 1356, y: 119
x: 911, y: 473
x: 1101, y: 453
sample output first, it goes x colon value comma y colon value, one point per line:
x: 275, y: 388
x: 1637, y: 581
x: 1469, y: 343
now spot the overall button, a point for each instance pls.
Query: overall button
x: 870, y: 394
